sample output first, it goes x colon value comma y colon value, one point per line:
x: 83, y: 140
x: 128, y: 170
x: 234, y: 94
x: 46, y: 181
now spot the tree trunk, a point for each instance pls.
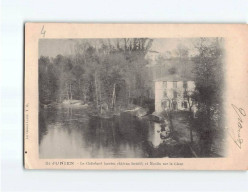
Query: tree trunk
x: 113, y: 97
x: 79, y: 89
x: 190, y: 105
x: 84, y: 93
x: 67, y: 91
x: 96, y: 91
x: 191, y: 130
x: 70, y: 92
x: 191, y: 135
x: 100, y: 98
x: 129, y: 95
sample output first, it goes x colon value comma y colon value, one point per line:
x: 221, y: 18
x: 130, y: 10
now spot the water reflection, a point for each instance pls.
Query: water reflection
x: 73, y: 134
x: 154, y: 134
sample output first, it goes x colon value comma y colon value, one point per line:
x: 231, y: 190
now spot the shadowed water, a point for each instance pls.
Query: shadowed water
x: 67, y: 133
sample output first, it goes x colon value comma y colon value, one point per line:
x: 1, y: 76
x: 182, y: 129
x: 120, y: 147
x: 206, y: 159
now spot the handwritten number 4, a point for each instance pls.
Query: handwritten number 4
x: 43, y: 32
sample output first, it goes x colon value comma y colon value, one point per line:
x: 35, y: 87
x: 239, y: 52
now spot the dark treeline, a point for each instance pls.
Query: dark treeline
x: 108, y: 73
x: 209, y: 80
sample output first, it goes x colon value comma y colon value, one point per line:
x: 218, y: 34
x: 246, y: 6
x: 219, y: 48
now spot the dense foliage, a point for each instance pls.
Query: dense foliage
x: 110, y: 74
x: 209, y: 79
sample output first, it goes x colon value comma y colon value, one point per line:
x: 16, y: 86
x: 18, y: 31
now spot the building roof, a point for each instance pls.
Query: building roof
x: 175, y: 77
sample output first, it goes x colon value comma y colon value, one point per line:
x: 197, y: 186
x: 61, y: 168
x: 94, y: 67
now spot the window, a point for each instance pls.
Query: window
x: 185, y: 105
x: 185, y: 94
x: 185, y: 85
x: 174, y: 84
x: 174, y: 94
x: 165, y: 93
x: 165, y: 84
x: 165, y: 104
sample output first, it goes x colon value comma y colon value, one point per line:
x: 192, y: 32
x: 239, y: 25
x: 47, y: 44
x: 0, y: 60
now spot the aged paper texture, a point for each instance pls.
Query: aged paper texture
x: 136, y: 96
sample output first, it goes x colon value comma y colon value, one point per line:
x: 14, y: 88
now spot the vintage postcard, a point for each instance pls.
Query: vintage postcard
x: 136, y: 96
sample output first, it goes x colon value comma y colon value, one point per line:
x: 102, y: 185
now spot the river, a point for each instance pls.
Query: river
x: 71, y: 133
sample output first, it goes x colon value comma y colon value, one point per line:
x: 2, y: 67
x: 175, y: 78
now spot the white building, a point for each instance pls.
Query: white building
x: 173, y: 93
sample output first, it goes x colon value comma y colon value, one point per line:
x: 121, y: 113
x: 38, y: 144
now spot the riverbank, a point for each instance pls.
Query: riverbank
x: 200, y: 142
x: 100, y: 112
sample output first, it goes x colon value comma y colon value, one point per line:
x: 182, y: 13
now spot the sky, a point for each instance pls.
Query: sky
x: 54, y: 47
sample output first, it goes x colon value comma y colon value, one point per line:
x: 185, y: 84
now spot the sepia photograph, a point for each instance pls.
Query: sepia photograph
x: 124, y: 96
x: 135, y: 96
x: 131, y: 98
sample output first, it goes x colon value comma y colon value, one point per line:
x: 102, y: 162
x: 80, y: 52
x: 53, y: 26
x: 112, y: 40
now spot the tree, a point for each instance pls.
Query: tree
x: 48, y: 82
x: 103, y: 71
x: 208, y: 72
x: 182, y: 51
x: 209, y: 86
